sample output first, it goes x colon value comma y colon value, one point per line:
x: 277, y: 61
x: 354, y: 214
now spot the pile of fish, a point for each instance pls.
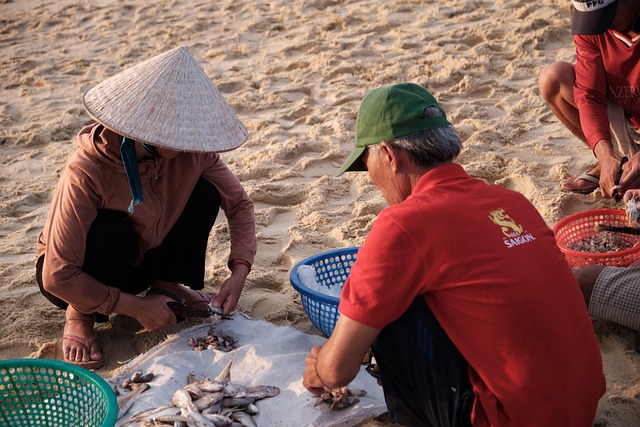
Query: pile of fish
x: 208, y: 403
x: 215, y: 340
x: 339, y: 397
x: 601, y: 242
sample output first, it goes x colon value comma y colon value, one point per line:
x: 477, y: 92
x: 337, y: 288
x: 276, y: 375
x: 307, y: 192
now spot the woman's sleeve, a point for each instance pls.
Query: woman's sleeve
x: 238, y: 209
x: 73, y: 210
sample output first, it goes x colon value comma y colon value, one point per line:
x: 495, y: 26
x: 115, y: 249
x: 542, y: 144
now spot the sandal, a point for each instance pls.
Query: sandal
x: 91, y: 364
x: 89, y: 320
x: 585, y: 176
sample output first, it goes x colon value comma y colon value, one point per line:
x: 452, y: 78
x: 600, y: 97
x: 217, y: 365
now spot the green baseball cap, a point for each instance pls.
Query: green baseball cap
x: 391, y: 112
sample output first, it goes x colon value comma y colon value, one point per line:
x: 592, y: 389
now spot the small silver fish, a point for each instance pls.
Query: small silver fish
x: 214, y: 409
x: 209, y: 386
x: 237, y: 401
x: 176, y: 418
x: 244, y: 419
x: 150, y: 413
x: 194, y: 391
x: 259, y: 392
x: 182, y: 400
x: 218, y: 419
x: 207, y: 400
x: 251, y: 409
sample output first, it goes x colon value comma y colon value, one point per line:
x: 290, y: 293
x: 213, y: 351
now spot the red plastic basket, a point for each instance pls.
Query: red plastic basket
x: 580, y: 226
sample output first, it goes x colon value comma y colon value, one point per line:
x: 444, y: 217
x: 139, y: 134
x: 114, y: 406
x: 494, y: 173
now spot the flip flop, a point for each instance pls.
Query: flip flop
x: 585, y: 176
x: 91, y: 364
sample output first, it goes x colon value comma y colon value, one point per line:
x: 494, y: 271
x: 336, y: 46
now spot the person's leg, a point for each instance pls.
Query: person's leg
x: 556, y: 82
x: 180, y: 258
x: 586, y: 277
x: 110, y: 250
x: 78, y: 342
x: 424, y: 377
x: 616, y: 296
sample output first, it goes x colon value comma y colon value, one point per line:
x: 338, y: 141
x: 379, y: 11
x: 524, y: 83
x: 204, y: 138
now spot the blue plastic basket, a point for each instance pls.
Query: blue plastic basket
x: 332, y: 269
x: 42, y: 392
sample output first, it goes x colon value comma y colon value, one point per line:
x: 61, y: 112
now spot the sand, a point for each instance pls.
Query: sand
x: 295, y: 72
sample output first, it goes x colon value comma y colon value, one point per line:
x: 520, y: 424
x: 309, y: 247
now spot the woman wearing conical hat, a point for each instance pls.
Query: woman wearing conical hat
x: 130, y: 218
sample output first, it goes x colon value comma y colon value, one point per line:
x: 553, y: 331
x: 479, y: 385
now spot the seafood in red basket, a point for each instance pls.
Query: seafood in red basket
x: 601, y: 242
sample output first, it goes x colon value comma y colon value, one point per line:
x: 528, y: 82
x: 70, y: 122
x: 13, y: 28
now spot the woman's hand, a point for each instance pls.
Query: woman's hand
x: 231, y: 289
x: 150, y: 311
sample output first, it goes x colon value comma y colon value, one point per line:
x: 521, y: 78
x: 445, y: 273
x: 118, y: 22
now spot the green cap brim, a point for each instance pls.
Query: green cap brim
x: 353, y: 162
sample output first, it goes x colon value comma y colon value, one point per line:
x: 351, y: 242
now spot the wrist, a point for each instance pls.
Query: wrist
x: 126, y: 305
x: 603, y: 148
x: 322, y: 383
x: 236, y: 264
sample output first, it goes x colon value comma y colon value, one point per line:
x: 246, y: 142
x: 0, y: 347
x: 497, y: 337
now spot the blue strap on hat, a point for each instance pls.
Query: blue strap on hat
x: 151, y: 150
x: 130, y: 161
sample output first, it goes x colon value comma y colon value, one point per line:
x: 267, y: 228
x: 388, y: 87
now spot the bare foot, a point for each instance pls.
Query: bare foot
x: 79, y: 341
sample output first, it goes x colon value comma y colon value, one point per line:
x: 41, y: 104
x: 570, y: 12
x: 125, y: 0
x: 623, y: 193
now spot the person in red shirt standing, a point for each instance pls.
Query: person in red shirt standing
x: 471, y: 311
x: 598, y: 97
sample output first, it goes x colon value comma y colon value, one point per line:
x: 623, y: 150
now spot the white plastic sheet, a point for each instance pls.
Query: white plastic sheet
x: 267, y: 355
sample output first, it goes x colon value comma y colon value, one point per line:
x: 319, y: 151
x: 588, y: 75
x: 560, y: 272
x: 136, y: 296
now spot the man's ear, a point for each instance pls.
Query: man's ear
x: 392, y: 155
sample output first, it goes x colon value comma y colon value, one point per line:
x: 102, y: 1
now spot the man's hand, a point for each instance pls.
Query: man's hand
x: 310, y: 379
x: 339, y: 360
x: 630, y: 175
x: 609, y: 162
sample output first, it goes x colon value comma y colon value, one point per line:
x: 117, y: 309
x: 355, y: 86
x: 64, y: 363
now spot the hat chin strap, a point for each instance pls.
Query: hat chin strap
x: 151, y: 150
x: 130, y: 161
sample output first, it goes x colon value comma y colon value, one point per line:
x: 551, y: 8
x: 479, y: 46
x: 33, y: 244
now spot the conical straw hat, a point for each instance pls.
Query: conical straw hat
x: 167, y: 101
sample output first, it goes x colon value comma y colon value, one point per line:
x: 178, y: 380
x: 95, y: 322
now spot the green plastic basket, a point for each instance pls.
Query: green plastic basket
x: 41, y: 392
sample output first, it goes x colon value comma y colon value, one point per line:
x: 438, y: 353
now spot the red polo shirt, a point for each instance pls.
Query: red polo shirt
x: 614, y: 75
x: 489, y: 268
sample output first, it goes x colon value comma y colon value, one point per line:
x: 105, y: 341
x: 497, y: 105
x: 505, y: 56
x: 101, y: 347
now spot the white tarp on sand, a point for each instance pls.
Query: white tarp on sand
x: 267, y: 355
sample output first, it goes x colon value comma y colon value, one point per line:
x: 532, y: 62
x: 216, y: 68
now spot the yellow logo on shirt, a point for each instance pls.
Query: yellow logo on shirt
x: 500, y: 218
x: 512, y: 230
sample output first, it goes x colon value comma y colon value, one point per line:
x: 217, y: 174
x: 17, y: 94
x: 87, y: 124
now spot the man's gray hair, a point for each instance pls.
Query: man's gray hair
x: 431, y: 147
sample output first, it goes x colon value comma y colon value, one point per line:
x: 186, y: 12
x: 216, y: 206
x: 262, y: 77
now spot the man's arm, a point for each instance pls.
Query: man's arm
x: 338, y: 361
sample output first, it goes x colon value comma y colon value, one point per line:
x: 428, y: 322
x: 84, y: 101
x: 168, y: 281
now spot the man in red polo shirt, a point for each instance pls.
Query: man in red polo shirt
x: 598, y: 97
x: 471, y: 310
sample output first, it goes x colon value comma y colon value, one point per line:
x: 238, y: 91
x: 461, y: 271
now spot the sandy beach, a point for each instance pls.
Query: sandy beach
x: 295, y: 72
